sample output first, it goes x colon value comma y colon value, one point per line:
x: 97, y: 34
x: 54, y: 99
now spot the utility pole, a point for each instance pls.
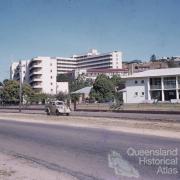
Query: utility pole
x: 20, y: 86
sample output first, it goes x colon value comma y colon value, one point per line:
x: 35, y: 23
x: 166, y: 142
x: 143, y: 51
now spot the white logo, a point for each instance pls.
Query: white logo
x: 121, y: 166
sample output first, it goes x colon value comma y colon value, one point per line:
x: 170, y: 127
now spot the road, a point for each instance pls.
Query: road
x: 135, y: 116
x: 84, y: 153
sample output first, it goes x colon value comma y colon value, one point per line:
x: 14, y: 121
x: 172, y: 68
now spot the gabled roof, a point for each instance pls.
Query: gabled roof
x: 85, y: 90
x: 156, y: 73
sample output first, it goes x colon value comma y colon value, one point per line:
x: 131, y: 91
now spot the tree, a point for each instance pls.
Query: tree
x: 61, y: 96
x: 10, y: 92
x: 39, y: 98
x: 64, y: 78
x: 27, y: 93
x: 103, y: 89
x: 75, y: 98
x: 153, y: 58
x: 5, y: 80
x: 118, y: 82
x: 79, y: 83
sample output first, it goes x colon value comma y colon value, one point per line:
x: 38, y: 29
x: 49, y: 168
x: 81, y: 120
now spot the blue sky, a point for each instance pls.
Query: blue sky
x: 138, y: 28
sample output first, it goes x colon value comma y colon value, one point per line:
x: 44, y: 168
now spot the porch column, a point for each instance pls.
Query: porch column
x: 148, y: 89
x: 162, y: 88
x: 177, y: 88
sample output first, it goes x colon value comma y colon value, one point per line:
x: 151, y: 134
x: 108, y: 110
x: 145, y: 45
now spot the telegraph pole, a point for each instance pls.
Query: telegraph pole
x: 20, y: 86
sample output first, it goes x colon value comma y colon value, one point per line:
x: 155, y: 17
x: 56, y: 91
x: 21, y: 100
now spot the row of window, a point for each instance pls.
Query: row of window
x: 136, y: 82
x: 141, y: 94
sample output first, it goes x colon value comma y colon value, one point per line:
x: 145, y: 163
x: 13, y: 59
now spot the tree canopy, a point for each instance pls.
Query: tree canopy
x: 153, y: 57
x: 105, y: 89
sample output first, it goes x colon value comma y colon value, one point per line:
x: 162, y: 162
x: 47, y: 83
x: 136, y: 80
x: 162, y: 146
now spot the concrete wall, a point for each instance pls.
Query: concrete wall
x: 134, y: 91
x: 62, y: 87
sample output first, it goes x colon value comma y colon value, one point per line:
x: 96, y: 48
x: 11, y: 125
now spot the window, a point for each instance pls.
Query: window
x: 51, y: 84
x: 51, y: 89
x: 170, y: 82
x: 142, y: 81
x: 51, y: 77
x: 142, y: 94
x: 51, y: 70
x: 136, y: 67
x: 59, y: 103
x: 135, y: 82
x: 136, y: 93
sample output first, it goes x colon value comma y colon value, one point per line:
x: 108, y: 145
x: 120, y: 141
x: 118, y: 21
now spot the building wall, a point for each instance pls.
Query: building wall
x: 49, y: 74
x: 41, y: 72
x: 62, y: 87
x: 13, y: 68
x: 134, y: 91
x: 17, y: 68
x: 168, y: 89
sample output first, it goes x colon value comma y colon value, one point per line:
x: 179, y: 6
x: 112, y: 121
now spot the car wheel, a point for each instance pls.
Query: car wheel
x: 57, y: 113
x: 48, y: 112
x: 67, y: 114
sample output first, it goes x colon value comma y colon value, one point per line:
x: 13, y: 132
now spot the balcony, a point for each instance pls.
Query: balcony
x: 36, y: 85
x: 34, y: 61
x: 169, y: 86
x: 35, y: 79
x: 35, y: 65
x: 153, y: 87
x: 37, y: 71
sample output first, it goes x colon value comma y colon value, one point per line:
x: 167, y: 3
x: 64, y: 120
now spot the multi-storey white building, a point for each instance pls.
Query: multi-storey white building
x: 91, y: 60
x: 19, y: 69
x: 93, y: 73
x: 157, y: 84
x: 41, y: 72
x: 94, y: 60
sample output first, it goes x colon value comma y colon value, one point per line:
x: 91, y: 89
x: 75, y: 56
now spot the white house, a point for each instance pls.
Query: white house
x: 157, y: 84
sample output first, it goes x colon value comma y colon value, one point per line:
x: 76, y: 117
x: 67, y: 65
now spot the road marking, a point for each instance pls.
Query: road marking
x: 121, y: 166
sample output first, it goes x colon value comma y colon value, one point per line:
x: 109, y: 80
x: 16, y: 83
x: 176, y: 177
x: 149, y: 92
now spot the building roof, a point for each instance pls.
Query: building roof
x: 156, y: 73
x: 107, y: 70
x: 85, y: 90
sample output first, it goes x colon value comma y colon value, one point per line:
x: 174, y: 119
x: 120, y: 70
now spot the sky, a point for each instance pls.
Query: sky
x: 138, y: 28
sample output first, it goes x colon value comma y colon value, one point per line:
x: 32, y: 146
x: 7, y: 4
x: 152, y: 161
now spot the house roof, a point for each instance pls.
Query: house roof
x: 85, y: 90
x: 156, y: 73
x: 107, y: 70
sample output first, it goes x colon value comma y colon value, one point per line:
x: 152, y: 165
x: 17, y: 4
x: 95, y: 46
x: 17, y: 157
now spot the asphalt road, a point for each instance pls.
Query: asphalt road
x: 87, y: 154
x: 133, y: 116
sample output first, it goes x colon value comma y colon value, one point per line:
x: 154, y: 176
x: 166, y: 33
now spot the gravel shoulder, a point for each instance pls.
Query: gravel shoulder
x: 163, y: 129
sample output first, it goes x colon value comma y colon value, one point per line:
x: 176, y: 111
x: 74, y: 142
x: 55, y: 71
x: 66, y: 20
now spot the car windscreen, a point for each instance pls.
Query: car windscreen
x: 59, y: 103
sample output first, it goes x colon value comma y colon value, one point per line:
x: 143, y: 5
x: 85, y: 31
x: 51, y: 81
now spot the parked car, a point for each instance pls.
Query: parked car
x: 57, y: 108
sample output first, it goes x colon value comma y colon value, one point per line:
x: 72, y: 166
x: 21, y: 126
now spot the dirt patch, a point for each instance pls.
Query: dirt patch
x: 12, y: 168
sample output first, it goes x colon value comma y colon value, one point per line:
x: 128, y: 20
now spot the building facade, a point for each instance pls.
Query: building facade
x: 93, y: 73
x: 41, y: 72
x: 159, y: 84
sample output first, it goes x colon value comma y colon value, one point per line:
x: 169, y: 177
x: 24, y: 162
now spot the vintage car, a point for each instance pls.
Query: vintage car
x: 57, y: 108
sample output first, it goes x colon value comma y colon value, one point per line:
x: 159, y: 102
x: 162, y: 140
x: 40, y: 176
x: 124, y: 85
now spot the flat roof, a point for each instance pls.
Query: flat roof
x: 156, y: 73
